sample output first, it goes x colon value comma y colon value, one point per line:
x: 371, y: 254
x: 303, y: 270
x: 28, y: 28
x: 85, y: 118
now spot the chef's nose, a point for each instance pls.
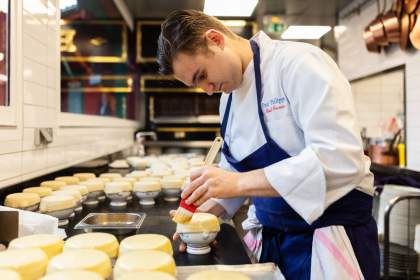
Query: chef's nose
x: 208, y: 87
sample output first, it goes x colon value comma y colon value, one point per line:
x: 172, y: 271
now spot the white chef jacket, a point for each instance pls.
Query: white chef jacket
x: 308, y: 108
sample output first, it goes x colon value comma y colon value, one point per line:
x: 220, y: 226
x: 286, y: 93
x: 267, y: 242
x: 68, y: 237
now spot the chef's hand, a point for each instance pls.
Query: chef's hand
x: 211, y: 182
x: 209, y: 207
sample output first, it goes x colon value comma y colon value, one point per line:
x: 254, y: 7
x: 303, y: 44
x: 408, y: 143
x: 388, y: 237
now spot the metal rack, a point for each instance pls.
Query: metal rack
x: 386, y: 243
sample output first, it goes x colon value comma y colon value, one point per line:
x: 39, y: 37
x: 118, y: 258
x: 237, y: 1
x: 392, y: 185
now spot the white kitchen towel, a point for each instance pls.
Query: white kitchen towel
x: 253, y: 238
x: 333, y: 256
x: 36, y: 223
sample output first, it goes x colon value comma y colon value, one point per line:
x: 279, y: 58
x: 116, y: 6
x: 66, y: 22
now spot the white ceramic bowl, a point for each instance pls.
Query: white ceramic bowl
x: 147, y: 198
x: 62, y: 215
x: 118, y: 199
x: 198, y: 242
x: 171, y: 194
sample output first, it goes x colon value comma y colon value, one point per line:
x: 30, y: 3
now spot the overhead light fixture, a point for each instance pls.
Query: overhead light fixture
x: 230, y: 8
x: 66, y: 5
x: 305, y: 32
x: 234, y: 23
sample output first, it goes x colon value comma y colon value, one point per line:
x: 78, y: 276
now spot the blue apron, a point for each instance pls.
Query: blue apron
x: 287, y: 238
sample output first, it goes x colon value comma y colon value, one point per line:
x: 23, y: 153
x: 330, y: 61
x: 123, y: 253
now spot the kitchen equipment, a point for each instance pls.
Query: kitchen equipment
x: 391, y: 23
x: 405, y: 29
x: 410, y: 6
x: 377, y: 27
x: 415, y: 35
x: 370, y: 43
x: 399, y: 232
x: 115, y: 223
x: 260, y: 271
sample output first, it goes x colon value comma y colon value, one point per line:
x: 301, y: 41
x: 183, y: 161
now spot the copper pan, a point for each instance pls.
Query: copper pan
x: 391, y: 26
x: 405, y: 25
x: 398, y: 7
x: 378, y: 31
x: 410, y: 6
x: 415, y: 35
x: 370, y: 40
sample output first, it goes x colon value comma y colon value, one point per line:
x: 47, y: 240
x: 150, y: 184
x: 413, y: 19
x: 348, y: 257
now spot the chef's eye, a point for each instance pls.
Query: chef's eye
x: 202, y: 76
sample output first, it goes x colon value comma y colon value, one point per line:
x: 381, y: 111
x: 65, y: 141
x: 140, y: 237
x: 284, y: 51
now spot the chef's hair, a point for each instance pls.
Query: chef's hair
x: 183, y: 31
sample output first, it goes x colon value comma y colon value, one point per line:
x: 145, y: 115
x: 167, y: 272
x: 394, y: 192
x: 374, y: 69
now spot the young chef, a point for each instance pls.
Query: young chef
x: 291, y: 143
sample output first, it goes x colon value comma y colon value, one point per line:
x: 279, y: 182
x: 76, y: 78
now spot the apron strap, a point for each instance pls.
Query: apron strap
x: 258, y: 84
x: 226, y: 116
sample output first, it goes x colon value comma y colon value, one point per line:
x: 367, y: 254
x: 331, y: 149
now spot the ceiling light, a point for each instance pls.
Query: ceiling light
x: 230, y: 8
x: 66, y: 5
x: 234, y: 23
x: 305, y: 32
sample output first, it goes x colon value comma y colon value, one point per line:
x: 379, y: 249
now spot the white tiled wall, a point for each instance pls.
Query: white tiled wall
x: 357, y: 62
x: 377, y: 99
x: 76, y: 138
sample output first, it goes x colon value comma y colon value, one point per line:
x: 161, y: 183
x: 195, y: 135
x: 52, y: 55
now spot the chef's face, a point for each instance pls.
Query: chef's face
x: 217, y: 68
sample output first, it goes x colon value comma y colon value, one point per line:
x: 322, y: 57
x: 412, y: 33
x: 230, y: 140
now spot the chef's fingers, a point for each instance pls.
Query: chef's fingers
x: 196, y: 172
x: 182, y: 247
x: 197, y: 194
x: 192, y: 186
x: 172, y: 213
x: 202, y: 199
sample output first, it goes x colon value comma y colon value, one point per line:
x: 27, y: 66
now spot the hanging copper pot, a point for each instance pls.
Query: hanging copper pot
x: 410, y: 6
x: 415, y: 35
x: 378, y: 31
x: 370, y: 42
x: 398, y: 7
x: 405, y: 29
x: 392, y: 26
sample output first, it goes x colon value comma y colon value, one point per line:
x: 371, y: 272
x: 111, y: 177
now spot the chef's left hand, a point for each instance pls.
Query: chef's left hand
x: 211, y: 182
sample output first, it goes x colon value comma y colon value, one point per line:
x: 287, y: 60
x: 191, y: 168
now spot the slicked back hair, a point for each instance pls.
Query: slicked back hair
x: 183, y: 31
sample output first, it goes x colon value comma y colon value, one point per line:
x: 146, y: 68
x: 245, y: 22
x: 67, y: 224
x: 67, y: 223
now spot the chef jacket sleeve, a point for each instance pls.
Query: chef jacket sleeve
x: 321, y: 104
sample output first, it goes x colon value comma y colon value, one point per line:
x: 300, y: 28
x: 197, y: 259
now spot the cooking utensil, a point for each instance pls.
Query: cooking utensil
x: 186, y: 211
x: 405, y: 28
x: 115, y: 223
x: 410, y: 6
x: 415, y: 35
x: 392, y: 24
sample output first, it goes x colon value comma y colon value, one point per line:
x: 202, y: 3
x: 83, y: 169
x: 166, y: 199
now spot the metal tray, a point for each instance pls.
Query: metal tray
x: 259, y: 271
x: 115, y: 223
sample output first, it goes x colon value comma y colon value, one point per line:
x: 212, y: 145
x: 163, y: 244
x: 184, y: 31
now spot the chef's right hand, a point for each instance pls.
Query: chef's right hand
x: 210, y: 206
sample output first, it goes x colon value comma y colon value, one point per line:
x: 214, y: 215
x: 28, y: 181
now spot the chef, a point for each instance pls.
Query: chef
x: 291, y: 144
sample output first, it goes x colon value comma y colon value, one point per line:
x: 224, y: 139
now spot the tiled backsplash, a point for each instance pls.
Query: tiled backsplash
x: 356, y: 62
x: 76, y: 138
x: 378, y: 98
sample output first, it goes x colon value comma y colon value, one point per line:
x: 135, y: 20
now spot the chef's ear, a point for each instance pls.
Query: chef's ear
x: 215, y: 38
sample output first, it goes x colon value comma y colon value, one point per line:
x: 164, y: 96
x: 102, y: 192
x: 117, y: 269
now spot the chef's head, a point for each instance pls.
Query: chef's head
x: 200, y: 51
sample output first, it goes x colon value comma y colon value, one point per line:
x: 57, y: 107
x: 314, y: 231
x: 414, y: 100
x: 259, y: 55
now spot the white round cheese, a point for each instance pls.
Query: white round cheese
x: 146, y: 242
x: 69, y: 180
x: 73, y: 275
x: 30, y: 263
x: 21, y: 200
x: 52, y: 245
x: 56, y: 202
x: 101, y: 241
x: 144, y: 260
x: 41, y: 191
x: 54, y: 185
x: 117, y: 187
x: 82, y: 259
x: 84, y: 176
